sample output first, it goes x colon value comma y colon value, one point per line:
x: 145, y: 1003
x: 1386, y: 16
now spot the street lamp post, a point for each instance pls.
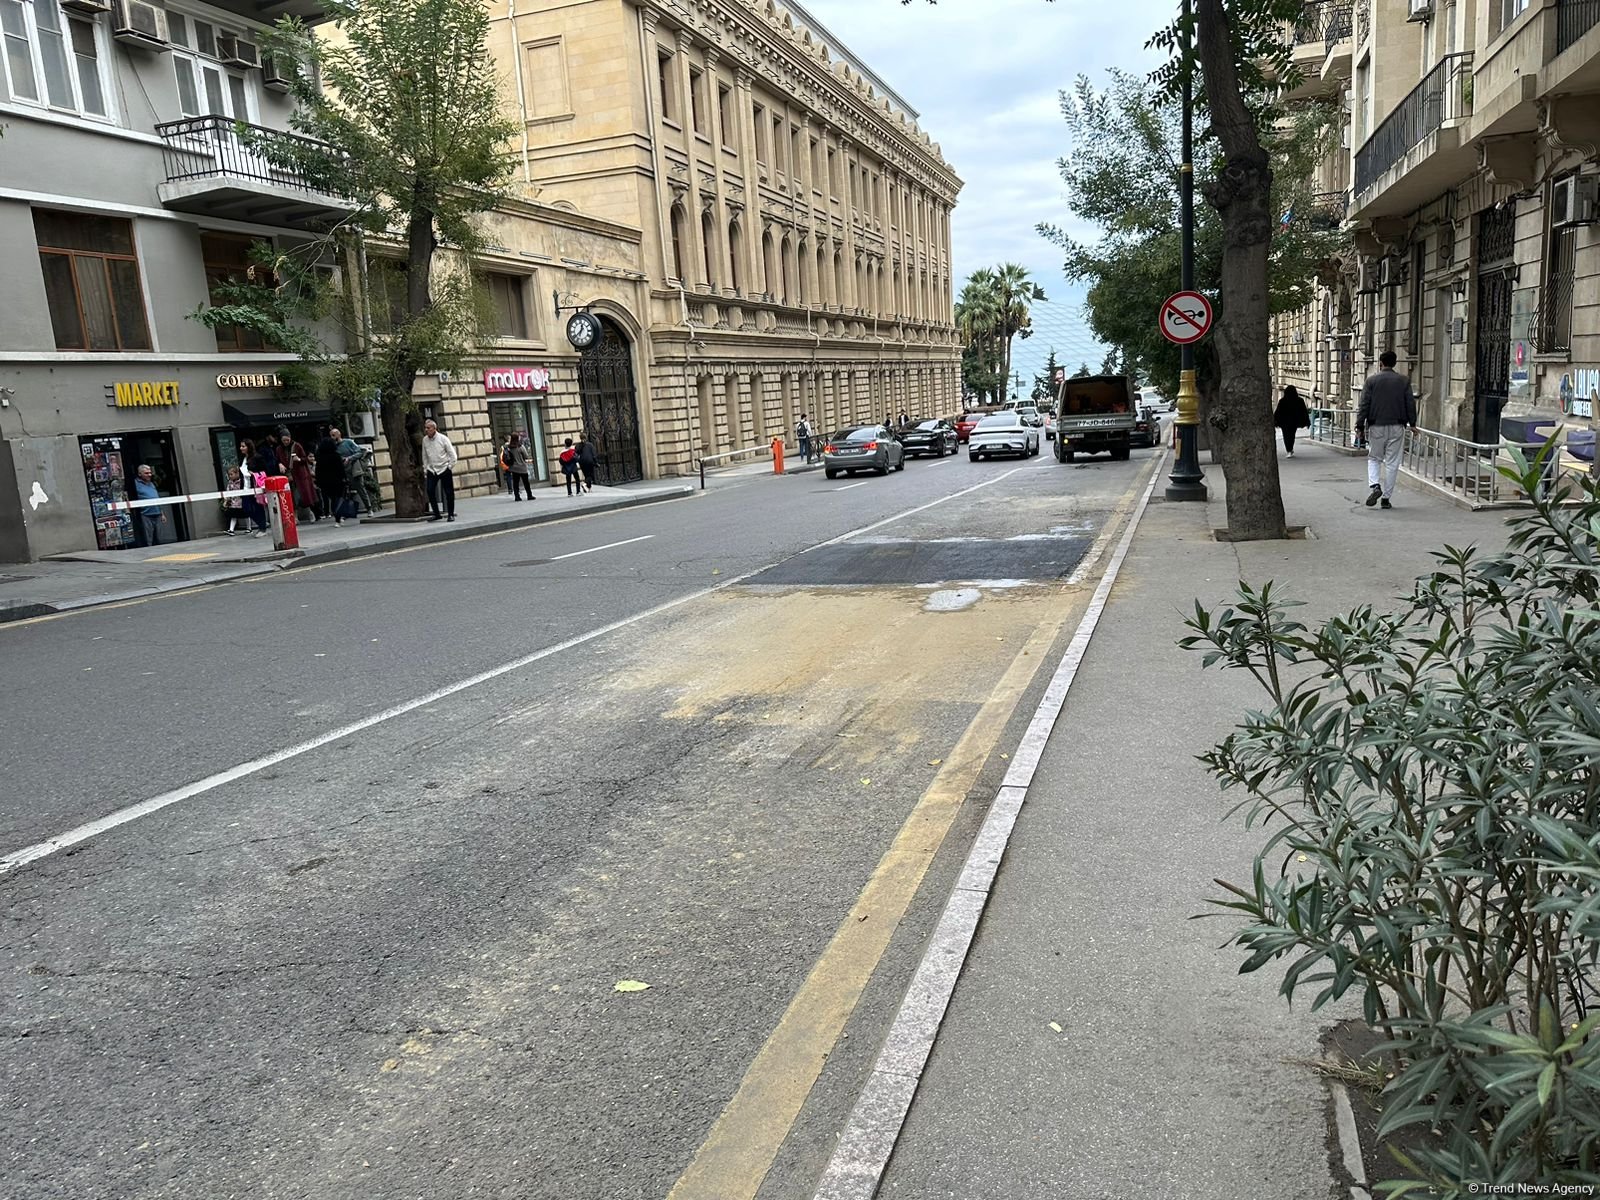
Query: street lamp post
x: 1187, y: 480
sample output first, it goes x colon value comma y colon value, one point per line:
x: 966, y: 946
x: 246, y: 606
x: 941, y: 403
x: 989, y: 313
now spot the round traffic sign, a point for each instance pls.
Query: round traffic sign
x: 1185, y: 317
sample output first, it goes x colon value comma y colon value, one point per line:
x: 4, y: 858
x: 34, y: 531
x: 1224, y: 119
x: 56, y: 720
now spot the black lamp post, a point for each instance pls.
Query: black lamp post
x: 1187, y: 480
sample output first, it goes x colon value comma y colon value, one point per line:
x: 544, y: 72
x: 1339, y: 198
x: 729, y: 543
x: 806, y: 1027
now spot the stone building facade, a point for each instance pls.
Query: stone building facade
x: 754, y: 216
x: 1468, y: 179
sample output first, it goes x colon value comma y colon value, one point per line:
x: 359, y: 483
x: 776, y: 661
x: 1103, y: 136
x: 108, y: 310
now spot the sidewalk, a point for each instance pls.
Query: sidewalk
x: 1172, y: 1077
x: 92, y: 577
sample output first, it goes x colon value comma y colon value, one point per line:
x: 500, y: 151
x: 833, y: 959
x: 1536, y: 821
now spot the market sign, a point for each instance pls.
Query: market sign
x: 497, y: 380
x: 268, y: 380
x: 145, y: 395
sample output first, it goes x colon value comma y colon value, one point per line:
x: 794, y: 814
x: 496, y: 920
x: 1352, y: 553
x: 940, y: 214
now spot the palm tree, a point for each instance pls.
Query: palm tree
x: 977, y: 312
x: 1013, y: 292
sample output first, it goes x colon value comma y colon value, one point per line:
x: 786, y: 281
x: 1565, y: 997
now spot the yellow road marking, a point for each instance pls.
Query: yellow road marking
x: 743, y: 1143
x: 180, y: 558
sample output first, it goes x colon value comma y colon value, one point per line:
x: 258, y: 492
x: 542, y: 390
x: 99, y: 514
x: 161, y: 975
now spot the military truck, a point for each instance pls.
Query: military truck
x: 1094, y: 413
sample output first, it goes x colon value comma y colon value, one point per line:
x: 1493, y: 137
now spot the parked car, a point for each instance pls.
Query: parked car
x: 862, y: 448
x: 1155, y: 400
x: 1030, y: 415
x: 1146, y: 428
x: 937, y: 437
x: 1002, y: 433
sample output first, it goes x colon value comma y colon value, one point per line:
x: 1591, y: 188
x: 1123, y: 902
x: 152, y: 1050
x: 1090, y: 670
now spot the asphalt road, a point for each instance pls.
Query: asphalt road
x: 387, y: 964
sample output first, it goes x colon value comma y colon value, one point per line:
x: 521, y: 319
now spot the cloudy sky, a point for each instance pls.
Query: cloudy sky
x: 984, y: 77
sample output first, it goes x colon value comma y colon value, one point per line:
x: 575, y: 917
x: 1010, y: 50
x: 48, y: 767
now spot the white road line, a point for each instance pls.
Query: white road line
x: 144, y: 808
x: 862, y: 1152
x: 607, y: 546
x: 848, y: 486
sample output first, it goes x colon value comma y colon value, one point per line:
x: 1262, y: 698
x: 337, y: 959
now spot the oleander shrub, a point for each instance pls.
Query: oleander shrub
x: 1429, y: 779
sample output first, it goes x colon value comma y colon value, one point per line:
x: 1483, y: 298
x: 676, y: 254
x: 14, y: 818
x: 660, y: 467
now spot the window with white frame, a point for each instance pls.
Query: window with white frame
x: 1510, y: 10
x: 54, y: 59
x: 205, y: 86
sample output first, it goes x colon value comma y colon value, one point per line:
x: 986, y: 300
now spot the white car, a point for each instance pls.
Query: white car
x: 1002, y: 433
x: 1149, y: 398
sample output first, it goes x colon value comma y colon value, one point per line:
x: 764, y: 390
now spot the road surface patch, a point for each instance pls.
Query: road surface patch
x: 917, y: 562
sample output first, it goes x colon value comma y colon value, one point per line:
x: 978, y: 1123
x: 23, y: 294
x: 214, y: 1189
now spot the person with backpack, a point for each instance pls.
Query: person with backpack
x: 569, y: 468
x: 802, y: 433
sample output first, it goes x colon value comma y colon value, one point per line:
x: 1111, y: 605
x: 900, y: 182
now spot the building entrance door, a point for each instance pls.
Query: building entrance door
x: 1492, y: 380
x: 610, y: 406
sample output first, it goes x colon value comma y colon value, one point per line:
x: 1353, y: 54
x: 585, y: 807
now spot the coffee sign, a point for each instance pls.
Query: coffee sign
x: 268, y: 380
x: 498, y: 380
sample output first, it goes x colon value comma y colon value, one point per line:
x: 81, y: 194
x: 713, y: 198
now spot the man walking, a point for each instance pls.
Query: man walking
x: 1388, y: 409
x: 438, y: 465
x: 588, y: 461
x: 154, y: 517
x: 517, y: 471
x: 802, y: 433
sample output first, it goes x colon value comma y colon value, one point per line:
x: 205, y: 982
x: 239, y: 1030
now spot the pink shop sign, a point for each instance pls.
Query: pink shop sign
x: 497, y: 380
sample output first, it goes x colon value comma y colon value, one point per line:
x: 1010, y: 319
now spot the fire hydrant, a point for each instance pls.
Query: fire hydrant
x: 777, y: 456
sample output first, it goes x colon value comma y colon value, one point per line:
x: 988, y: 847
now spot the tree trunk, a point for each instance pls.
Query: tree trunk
x: 403, y: 429
x: 1241, y: 416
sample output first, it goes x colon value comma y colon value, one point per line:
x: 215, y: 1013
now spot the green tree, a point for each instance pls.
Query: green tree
x: 1044, y: 382
x: 1014, y: 292
x: 977, y: 313
x: 402, y: 116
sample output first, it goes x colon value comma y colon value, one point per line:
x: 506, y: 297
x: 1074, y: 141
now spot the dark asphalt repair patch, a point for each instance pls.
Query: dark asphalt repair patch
x: 911, y: 563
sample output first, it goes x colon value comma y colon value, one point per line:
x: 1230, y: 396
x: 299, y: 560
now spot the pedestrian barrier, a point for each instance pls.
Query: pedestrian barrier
x: 276, y: 493
x: 727, y: 457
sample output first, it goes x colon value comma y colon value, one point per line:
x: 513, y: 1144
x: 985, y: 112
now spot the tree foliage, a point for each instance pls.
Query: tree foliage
x: 400, y: 115
x: 993, y: 310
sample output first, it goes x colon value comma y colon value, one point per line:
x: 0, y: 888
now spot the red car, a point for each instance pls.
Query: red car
x: 965, y: 424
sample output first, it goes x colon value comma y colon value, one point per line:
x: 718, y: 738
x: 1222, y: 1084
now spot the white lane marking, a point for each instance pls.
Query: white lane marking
x: 200, y: 787
x: 863, y: 1149
x: 607, y: 546
x: 848, y: 486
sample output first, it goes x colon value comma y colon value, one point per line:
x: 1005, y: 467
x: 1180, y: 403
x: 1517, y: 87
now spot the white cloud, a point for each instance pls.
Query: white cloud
x: 985, y: 75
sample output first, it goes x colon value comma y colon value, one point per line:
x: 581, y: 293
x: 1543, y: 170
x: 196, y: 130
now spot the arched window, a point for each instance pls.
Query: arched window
x: 769, y: 266
x: 786, y: 279
x: 677, y: 243
x: 735, y: 253
x: 839, y: 290
x: 824, y: 284
x: 802, y: 260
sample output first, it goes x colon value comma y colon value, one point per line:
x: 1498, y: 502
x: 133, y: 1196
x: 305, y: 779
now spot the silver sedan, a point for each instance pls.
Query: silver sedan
x: 1003, y: 433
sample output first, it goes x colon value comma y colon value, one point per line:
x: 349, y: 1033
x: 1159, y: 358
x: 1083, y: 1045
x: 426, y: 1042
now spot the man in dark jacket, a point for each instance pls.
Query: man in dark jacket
x: 588, y: 461
x: 1388, y: 409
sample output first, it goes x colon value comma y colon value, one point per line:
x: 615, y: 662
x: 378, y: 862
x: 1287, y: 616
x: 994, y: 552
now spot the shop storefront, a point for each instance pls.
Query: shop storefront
x: 515, y: 395
x: 250, y: 415
x: 111, y: 460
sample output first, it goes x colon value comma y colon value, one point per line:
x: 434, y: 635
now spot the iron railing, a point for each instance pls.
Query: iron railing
x: 1443, y: 95
x: 1553, y: 325
x: 1574, y: 18
x: 1328, y: 209
x: 1337, y: 22
x: 1309, y: 27
x: 1469, y: 469
x: 203, y: 147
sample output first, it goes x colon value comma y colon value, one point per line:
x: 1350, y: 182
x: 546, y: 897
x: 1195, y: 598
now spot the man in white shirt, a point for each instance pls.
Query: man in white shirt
x: 438, y: 460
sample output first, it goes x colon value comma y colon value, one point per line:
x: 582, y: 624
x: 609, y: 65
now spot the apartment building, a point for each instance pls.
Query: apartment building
x: 792, y: 223
x: 1468, y: 179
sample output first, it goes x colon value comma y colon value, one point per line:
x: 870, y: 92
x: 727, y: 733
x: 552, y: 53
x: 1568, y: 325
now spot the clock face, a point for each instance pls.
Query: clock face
x: 582, y: 330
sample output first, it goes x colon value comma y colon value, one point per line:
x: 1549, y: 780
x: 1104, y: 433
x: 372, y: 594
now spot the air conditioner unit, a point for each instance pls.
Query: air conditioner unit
x: 1575, y: 200
x: 87, y: 6
x: 234, y: 51
x: 364, y: 424
x: 276, y: 74
x: 1420, y: 10
x: 1391, y: 272
x: 139, y: 24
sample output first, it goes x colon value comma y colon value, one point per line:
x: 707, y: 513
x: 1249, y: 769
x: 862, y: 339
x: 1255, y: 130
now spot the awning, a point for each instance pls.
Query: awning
x: 251, y: 414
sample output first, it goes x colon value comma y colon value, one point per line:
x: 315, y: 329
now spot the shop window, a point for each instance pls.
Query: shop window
x: 91, y: 281
x: 53, y: 59
x: 509, y: 294
x: 669, y: 94
x: 227, y: 259
x: 386, y: 293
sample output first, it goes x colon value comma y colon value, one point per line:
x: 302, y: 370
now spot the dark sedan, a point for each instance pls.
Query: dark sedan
x: 937, y: 438
x: 864, y: 448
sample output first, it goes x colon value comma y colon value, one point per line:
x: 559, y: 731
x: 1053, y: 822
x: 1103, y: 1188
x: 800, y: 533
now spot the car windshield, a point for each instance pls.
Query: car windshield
x: 930, y: 425
x: 1000, y: 420
x: 867, y: 433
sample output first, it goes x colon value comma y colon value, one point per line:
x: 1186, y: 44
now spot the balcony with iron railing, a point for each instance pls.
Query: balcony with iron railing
x: 1574, y: 18
x: 1418, y: 150
x: 219, y: 167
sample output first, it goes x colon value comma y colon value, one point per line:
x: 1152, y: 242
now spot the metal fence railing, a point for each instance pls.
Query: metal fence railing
x: 1470, y: 469
x: 1445, y: 94
x: 1337, y: 22
x: 1574, y: 18
x: 202, y: 147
